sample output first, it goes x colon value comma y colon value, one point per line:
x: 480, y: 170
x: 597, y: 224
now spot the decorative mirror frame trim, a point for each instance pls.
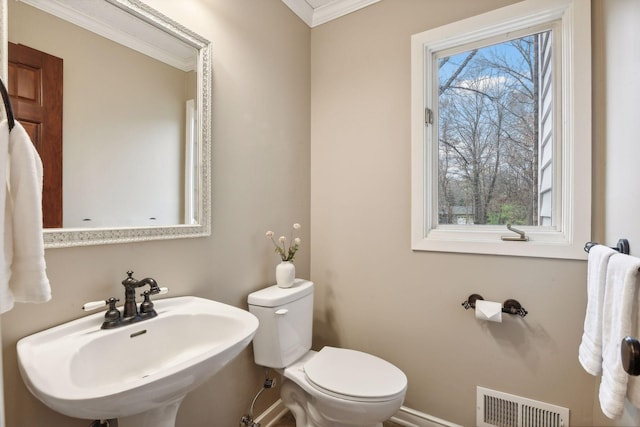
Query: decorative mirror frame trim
x: 58, y: 238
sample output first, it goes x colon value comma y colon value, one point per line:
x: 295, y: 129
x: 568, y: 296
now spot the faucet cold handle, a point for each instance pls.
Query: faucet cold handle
x: 146, y: 306
x: 156, y: 291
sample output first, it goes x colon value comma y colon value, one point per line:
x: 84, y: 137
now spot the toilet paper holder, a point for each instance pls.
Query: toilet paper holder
x: 510, y: 306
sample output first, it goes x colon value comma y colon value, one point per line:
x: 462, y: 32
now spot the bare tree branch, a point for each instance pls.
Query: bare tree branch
x: 456, y: 73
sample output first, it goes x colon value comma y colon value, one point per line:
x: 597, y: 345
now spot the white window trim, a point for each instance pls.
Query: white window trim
x: 565, y: 241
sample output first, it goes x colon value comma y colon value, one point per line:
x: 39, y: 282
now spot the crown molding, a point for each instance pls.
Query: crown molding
x: 322, y: 14
x: 121, y: 27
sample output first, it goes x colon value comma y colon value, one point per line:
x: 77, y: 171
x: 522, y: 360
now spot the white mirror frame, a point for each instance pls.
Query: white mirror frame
x: 57, y: 238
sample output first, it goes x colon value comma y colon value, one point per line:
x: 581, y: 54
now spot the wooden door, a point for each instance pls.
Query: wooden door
x: 35, y: 88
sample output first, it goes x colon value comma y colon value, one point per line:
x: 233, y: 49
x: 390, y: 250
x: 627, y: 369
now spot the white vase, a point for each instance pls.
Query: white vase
x: 285, y: 274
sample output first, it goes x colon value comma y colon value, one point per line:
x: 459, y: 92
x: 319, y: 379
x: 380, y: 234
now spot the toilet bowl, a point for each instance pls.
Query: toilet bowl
x: 329, y: 388
x: 333, y: 387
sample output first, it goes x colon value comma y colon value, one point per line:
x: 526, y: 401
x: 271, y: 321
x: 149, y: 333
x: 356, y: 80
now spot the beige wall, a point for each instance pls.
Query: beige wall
x: 260, y: 181
x: 374, y: 293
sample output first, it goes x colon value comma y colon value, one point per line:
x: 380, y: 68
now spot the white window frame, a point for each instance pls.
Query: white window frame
x: 572, y: 158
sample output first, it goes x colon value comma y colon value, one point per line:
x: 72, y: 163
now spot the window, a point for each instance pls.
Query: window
x: 501, y: 132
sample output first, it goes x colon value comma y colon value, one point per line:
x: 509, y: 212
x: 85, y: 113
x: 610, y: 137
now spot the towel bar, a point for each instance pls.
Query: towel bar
x: 622, y: 246
x: 8, y: 108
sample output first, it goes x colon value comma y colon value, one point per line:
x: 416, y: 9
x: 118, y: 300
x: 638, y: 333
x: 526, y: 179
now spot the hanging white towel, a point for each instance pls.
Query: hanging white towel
x: 619, y: 302
x: 590, y: 350
x: 23, y: 241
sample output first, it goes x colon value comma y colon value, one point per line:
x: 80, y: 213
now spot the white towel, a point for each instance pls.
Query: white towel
x: 590, y: 350
x: 23, y: 239
x: 619, y: 302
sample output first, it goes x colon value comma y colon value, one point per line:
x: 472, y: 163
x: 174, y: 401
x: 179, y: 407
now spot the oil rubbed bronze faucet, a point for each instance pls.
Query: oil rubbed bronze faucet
x: 130, y: 313
x: 146, y: 307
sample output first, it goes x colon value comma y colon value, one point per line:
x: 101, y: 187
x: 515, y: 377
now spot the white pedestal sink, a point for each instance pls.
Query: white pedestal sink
x: 137, y: 373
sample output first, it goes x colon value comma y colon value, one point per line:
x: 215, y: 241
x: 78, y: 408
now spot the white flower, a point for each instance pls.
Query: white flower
x: 286, y: 253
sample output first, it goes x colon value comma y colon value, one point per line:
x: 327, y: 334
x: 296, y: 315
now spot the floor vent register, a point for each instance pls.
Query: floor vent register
x: 497, y: 409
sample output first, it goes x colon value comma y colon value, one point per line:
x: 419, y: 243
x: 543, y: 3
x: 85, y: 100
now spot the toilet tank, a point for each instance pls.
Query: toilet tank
x: 286, y: 323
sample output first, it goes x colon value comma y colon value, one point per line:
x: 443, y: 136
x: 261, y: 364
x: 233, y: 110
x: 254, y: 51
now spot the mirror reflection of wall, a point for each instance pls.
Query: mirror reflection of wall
x: 123, y: 125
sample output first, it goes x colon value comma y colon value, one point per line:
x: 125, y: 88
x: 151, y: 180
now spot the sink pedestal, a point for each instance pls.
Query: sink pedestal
x: 160, y: 417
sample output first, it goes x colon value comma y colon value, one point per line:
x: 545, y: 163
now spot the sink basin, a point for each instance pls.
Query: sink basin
x: 137, y: 373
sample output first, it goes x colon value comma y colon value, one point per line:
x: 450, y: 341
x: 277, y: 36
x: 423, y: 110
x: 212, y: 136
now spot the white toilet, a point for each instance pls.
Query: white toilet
x: 333, y: 387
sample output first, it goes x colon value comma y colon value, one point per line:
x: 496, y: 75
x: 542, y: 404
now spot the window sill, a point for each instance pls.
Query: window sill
x: 547, y: 243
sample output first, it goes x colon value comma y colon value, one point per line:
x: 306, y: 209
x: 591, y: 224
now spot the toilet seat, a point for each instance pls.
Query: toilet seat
x: 354, y: 375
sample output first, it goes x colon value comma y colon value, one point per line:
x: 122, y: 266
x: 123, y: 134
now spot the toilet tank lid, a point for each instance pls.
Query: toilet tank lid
x: 274, y: 296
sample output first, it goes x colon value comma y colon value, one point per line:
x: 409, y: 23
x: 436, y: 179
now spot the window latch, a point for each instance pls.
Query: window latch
x: 428, y: 116
x: 519, y: 238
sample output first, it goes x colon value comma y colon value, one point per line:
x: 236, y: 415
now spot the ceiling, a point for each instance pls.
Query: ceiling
x: 316, y: 12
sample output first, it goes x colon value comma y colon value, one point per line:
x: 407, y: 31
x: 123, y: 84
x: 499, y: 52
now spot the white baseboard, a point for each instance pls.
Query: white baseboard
x: 273, y: 413
x: 406, y: 417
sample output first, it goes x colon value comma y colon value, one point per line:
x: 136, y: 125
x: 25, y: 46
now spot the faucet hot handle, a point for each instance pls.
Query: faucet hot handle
x: 90, y: 306
x: 112, y: 302
x: 112, y: 317
x: 112, y: 314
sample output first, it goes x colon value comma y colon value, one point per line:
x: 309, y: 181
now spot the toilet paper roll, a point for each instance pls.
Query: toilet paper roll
x: 489, y: 310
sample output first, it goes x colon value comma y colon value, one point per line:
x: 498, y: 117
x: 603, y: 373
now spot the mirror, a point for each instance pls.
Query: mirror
x: 136, y: 137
